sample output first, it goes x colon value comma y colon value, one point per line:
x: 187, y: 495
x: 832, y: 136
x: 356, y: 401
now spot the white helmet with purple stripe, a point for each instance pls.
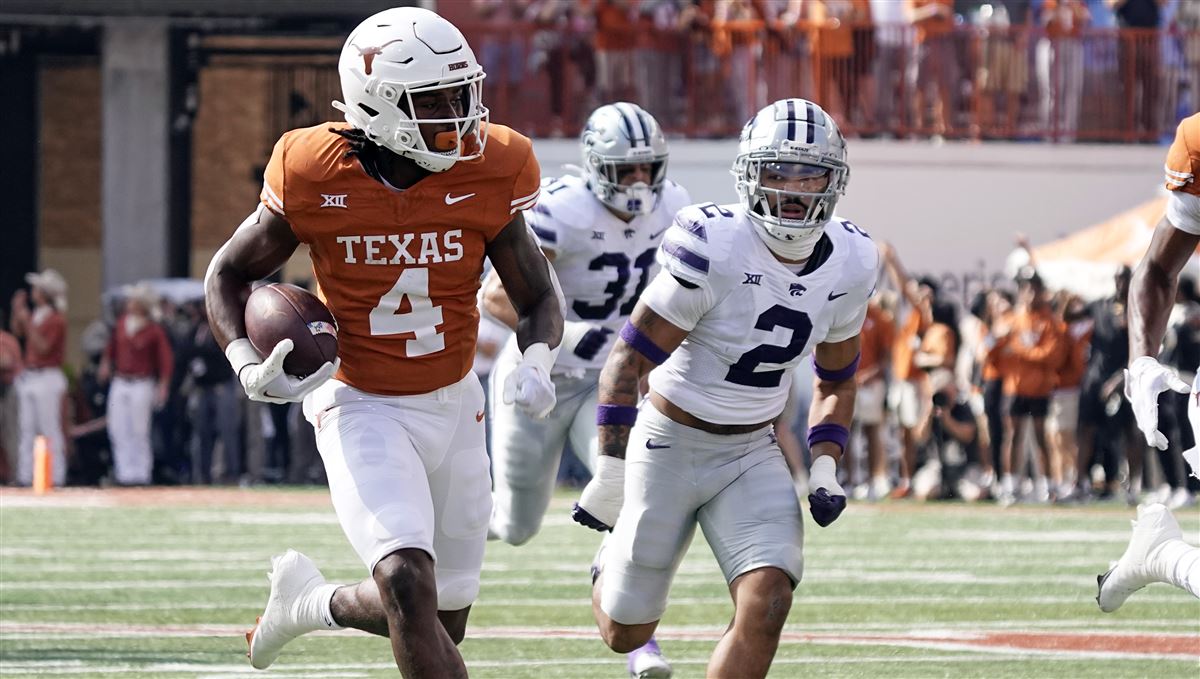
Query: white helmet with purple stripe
x: 785, y: 134
x: 617, y: 136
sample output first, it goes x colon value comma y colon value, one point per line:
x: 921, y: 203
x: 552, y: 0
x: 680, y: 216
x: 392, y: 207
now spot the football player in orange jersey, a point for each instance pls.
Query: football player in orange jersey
x: 399, y: 209
x: 1157, y: 552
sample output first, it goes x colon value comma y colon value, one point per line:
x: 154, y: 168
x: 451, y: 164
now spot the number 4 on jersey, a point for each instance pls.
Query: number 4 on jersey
x: 422, y: 319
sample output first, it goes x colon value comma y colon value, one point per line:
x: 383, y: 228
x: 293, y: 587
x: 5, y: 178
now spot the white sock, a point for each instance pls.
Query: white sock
x: 1175, y: 562
x: 1006, y: 484
x: 315, y: 607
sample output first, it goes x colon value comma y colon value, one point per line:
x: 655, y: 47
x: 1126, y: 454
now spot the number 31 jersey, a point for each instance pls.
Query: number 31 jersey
x: 750, y: 317
x: 603, y: 264
x: 399, y: 269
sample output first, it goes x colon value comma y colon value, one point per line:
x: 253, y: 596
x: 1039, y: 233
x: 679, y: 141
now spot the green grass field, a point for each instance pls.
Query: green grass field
x: 164, y: 584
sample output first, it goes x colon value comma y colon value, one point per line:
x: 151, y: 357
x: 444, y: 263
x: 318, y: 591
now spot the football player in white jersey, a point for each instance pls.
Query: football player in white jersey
x: 1157, y: 551
x: 600, y: 232
x: 746, y: 291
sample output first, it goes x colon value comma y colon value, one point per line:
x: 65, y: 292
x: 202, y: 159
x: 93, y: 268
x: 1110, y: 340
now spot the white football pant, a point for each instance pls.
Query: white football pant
x: 39, y: 394
x: 409, y: 472
x: 130, y: 409
x: 526, y: 452
x: 737, y: 488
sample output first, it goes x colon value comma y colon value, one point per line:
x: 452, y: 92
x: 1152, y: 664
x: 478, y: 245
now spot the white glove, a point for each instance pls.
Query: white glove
x: 1145, y: 379
x: 264, y: 379
x: 529, y: 385
x: 600, y: 504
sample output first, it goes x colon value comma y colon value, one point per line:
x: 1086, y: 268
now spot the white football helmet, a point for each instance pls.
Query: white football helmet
x: 791, y: 131
x: 623, y: 134
x: 405, y: 51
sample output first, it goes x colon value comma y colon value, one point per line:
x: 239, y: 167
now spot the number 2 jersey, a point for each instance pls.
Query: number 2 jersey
x: 750, y: 317
x: 603, y: 264
x: 399, y: 269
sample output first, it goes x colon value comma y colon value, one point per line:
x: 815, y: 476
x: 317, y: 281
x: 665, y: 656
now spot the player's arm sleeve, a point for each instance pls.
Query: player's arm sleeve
x: 683, y: 290
x: 527, y: 186
x: 1183, y: 159
x: 684, y: 249
x: 850, y: 314
x: 678, y: 304
x: 274, y: 190
x: 1183, y: 211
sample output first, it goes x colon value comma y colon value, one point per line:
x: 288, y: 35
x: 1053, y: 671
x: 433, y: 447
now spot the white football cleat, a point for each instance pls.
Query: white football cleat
x: 293, y: 576
x: 1154, y: 526
x: 648, y: 662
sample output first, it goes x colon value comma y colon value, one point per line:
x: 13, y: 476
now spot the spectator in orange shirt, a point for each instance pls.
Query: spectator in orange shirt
x: 1030, y: 341
x: 738, y: 28
x: 838, y: 67
x: 1063, y: 421
x: 615, y: 41
x: 139, y: 361
x: 877, y: 337
x: 909, y: 396
x: 1059, y: 59
x: 936, y: 74
x: 10, y: 368
x: 42, y: 384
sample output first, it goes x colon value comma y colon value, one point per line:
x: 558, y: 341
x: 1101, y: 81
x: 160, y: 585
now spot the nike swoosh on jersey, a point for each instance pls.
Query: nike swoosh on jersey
x: 650, y: 445
x: 656, y: 234
x: 833, y: 296
x: 451, y: 200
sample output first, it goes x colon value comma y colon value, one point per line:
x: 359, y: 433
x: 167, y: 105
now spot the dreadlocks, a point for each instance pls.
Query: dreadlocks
x: 361, y: 147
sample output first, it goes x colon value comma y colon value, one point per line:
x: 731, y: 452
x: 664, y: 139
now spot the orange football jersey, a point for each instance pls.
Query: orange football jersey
x: 399, y: 269
x: 1183, y: 158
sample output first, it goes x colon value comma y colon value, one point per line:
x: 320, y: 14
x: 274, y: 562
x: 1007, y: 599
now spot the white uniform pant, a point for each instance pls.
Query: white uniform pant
x: 737, y: 488
x: 526, y: 452
x: 409, y: 472
x: 40, y: 393
x: 130, y: 409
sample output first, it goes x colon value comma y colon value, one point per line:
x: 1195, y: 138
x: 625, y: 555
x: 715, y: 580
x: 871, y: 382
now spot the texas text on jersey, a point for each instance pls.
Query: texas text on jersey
x: 399, y: 269
x: 724, y: 373
x: 603, y: 263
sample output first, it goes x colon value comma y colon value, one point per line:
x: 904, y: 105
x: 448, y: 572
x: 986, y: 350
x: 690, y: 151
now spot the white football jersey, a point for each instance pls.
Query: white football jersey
x: 750, y: 317
x: 603, y: 264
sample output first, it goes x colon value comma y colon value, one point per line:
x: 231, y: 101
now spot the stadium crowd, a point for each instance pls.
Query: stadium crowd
x: 949, y: 399
x: 953, y: 68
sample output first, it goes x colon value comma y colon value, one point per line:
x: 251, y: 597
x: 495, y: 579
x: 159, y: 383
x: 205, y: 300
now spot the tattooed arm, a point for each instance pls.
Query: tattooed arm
x: 600, y: 504
x: 624, y: 370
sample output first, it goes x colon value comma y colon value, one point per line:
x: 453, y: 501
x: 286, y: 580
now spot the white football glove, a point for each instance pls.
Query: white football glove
x: 264, y: 379
x: 1145, y: 379
x: 600, y: 503
x: 529, y: 385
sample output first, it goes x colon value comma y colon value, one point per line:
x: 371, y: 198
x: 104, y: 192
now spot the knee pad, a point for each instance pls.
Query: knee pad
x: 457, y: 590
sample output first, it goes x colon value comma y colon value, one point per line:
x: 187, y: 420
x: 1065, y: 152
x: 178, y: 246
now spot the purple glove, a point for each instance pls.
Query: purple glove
x: 593, y: 341
x: 825, y: 508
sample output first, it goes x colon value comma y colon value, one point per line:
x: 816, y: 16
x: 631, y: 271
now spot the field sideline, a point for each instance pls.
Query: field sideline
x: 163, y: 583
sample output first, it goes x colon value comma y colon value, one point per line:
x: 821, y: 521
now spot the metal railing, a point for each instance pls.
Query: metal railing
x: 1021, y: 83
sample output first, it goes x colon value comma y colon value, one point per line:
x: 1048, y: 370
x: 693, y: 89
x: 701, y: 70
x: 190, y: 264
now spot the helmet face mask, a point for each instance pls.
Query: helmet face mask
x: 619, y: 139
x: 399, y: 59
x: 791, y: 140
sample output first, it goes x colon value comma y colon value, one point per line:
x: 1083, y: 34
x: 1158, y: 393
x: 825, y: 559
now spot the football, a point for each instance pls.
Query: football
x: 277, y: 311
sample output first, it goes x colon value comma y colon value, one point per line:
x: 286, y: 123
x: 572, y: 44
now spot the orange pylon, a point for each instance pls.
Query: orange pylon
x: 43, y: 478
